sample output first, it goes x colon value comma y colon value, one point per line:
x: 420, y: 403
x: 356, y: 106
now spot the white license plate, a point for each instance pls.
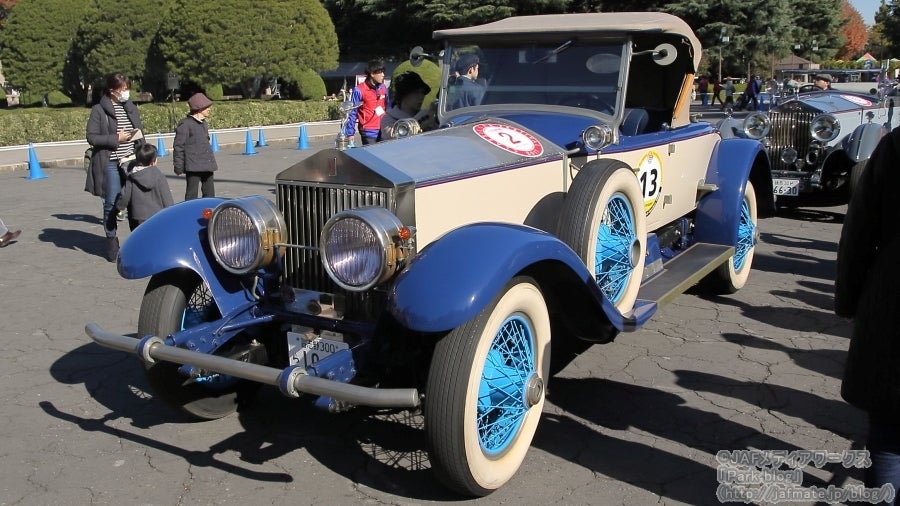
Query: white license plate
x: 306, y: 348
x: 786, y: 187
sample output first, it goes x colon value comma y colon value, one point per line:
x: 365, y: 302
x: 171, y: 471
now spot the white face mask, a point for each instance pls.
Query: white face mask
x: 124, y: 95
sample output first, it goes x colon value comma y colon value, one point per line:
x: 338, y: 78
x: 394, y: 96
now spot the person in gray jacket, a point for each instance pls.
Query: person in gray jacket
x: 146, y: 191
x: 193, y: 156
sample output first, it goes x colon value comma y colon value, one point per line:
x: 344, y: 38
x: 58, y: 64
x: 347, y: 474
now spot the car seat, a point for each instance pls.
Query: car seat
x: 634, y: 122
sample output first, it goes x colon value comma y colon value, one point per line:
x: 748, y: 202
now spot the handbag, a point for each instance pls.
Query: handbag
x: 89, y: 152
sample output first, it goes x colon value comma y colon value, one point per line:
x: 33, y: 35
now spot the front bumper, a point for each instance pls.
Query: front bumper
x: 292, y: 381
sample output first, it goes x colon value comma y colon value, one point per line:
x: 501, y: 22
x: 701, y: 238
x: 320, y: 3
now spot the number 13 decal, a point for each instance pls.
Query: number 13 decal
x: 650, y: 175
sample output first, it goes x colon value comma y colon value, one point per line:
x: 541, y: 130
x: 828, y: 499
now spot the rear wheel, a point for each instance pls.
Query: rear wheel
x: 603, y: 220
x: 732, y: 275
x: 485, y: 391
x: 175, y: 301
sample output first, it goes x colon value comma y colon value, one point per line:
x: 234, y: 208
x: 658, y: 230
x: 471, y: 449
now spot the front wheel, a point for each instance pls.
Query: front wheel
x: 732, y: 275
x: 485, y: 391
x: 172, y: 302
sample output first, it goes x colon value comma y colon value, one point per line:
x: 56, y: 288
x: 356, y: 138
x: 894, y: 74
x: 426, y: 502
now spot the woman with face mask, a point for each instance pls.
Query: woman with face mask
x: 113, y: 125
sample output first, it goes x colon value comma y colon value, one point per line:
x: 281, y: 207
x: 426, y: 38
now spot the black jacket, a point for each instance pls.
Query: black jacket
x: 146, y: 192
x: 101, y: 135
x: 191, y: 150
x: 867, y: 286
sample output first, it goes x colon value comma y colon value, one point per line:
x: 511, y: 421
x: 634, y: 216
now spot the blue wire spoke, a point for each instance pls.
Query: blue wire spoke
x: 509, y: 364
x: 612, y: 264
x: 746, y: 229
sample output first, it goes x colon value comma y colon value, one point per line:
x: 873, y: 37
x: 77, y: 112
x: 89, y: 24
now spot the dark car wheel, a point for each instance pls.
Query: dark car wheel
x: 856, y: 174
x: 175, y: 301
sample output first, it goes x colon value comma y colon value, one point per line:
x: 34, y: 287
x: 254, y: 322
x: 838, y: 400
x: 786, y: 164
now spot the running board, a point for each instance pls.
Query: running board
x: 684, y: 271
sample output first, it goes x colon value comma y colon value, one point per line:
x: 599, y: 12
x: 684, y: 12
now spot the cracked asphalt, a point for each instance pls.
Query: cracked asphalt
x: 638, y: 421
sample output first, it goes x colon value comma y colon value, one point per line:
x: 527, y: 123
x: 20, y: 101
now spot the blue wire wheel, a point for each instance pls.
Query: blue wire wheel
x: 616, y: 236
x: 502, y: 393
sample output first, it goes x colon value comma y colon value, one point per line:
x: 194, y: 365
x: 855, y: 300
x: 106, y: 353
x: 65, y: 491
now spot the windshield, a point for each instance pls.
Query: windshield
x: 560, y: 73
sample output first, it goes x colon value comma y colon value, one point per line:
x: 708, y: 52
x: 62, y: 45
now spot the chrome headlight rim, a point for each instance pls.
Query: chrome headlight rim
x: 243, y: 233
x: 402, y: 128
x: 382, y: 229
x: 598, y: 137
x: 824, y: 128
x: 757, y: 125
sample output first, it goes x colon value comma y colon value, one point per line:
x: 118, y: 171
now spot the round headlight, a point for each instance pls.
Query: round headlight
x: 404, y: 128
x: 243, y: 233
x: 360, y: 247
x: 824, y: 128
x: 788, y: 156
x: 756, y: 125
x: 598, y: 137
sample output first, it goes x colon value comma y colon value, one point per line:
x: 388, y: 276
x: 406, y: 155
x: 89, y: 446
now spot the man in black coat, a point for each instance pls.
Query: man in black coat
x: 867, y: 289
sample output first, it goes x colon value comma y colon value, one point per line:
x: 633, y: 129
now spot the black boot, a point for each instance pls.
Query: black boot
x: 112, y: 248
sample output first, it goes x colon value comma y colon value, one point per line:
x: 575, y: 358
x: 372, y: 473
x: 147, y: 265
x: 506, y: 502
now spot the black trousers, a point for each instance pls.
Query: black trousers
x: 201, y: 180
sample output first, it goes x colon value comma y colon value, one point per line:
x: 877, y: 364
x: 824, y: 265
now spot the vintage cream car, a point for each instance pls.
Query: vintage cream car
x: 560, y: 203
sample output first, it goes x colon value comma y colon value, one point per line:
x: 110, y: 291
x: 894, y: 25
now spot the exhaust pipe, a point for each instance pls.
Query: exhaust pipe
x: 292, y: 381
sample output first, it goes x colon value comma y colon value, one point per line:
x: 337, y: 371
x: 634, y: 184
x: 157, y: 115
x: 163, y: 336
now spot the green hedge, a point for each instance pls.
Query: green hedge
x: 45, y: 124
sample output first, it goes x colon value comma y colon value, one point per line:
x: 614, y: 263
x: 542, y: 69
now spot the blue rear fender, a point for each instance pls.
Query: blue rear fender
x: 734, y: 162
x: 175, y: 239
x: 457, y: 275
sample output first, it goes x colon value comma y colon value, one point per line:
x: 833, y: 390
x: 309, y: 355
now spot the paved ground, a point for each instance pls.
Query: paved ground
x: 635, y: 422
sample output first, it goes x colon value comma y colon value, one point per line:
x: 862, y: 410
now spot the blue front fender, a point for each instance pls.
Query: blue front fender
x: 175, y: 238
x: 456, y: 276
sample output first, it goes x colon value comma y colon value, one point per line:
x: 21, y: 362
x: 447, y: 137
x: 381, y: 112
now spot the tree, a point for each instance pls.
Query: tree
x: 5, y: 7
x: 113, y: 40
x: 887, y: 19
x: 818, y: 28
x: 216, y: 42
x: 854, y: 32
x: 37, y: 41
x: 388, y: 28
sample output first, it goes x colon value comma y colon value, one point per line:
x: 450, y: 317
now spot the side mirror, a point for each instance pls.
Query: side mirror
x: 665, y: 54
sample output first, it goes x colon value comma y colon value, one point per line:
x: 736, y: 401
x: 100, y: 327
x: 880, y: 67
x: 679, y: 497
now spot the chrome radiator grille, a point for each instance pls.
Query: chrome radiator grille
x: 306, y: 207
x: 789, y: 129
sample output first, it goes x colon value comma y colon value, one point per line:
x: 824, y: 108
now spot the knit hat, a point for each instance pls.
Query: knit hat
x: 198, y: 102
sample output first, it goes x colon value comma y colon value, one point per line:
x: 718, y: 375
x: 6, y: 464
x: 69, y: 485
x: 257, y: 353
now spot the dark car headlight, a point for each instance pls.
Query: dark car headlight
x: 825, y: 128
x: 243, y: 233
x: 362, y: 247
x: 756, y: 125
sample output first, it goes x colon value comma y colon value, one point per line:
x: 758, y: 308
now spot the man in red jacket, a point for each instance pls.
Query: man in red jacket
x: 371, y: 100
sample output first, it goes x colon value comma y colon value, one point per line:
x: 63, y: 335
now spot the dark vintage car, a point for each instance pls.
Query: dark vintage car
x: 442, y: 271
x: 820, y: 140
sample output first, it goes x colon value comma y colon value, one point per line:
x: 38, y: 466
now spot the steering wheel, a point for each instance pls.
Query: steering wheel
x: 807, y: 88
x: 591, y: 101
